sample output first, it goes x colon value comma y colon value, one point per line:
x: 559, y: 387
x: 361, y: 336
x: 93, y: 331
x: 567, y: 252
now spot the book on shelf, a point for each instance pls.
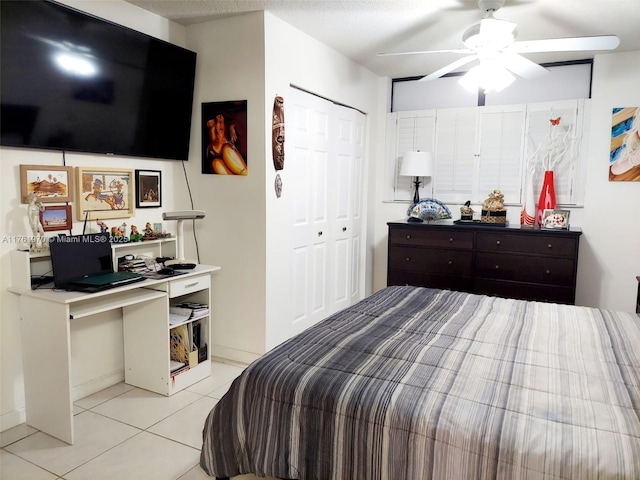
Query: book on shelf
x: 177, y: 367
x: 188, y: 310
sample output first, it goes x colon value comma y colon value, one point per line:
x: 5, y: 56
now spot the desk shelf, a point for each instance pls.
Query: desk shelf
x: 147, y: 334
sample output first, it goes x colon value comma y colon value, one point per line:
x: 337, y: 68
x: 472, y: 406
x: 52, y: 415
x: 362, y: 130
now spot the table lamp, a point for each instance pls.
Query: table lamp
x: 181, y: 263
x: 417, y: 164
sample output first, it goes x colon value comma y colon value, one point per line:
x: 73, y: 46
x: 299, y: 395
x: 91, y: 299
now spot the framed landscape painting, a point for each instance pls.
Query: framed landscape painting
x: 48, y: 183
x: 56, y: 217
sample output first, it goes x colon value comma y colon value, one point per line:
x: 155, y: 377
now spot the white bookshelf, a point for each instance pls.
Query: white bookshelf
x: 147, y: 332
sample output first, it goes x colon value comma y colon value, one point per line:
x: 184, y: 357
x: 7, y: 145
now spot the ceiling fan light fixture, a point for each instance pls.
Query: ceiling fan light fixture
x: 488, y: 76
x: 489, y: 34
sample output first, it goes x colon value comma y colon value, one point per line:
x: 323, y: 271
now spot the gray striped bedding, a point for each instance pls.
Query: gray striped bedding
x: 417, y: 384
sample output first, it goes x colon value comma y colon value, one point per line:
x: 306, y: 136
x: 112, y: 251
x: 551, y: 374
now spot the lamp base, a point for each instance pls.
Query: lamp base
x: 180, y: 264
x: 414, y: 220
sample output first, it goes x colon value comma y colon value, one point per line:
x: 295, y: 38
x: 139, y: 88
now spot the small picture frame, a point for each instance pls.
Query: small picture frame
x: 148, y: 188
x: 555, y: 220
x: 56, y: 217
x: 103, y: 193
x: 51, y: 184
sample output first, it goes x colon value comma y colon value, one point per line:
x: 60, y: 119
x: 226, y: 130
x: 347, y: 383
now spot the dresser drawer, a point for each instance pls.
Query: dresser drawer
x: 188, y: 285
x: 525, y: 291
x: 431, y: 260
x: 533, y: 244
x: 422, y: 279
x: 525, y: 268
x: 421, y: 237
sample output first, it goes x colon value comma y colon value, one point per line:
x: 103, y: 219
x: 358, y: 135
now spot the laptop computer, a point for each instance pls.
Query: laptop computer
x: 84, y: 263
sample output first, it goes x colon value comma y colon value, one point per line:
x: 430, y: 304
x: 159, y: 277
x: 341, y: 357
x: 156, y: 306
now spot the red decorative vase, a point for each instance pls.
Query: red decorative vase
x: 547, y: 198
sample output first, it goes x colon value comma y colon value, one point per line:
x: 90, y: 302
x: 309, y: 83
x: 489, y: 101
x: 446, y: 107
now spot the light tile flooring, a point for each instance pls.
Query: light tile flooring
x: 122, y: 432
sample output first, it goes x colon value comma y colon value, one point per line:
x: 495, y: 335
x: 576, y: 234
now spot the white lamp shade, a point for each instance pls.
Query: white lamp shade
x: 417, y: 164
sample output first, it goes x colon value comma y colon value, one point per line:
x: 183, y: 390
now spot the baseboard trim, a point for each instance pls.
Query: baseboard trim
x: 96, y: 384
x: 221, y: 352
x: 12, y: 419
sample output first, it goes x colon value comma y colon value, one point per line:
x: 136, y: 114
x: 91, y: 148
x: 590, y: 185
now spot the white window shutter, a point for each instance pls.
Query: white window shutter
x: 500, y: 152
x: 415, y: 131
x: 456, y: 130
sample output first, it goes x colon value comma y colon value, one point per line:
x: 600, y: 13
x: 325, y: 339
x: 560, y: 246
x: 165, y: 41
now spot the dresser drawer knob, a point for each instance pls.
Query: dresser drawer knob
x: 497, y: 267
x: 547, y: 272
x: 450, y: 262
x: 408, y: 237
x: 408, y: 259
x: 497, y: 242
x: 549, y: 245
x: 451, y: 240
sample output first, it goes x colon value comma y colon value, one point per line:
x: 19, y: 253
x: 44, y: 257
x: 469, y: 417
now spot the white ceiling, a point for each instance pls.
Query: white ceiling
x: 362, y: 28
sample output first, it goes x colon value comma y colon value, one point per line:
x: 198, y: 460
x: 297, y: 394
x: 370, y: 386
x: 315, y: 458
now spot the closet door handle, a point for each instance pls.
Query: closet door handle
x: 344, y: 229
x: 320, y: 233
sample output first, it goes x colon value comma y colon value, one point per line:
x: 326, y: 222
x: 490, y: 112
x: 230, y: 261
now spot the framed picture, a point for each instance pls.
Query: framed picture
x: 148, y: 188
x: 555, y: 219
x: 56, y: 217
x: 104, y: 193
x: 224, y: 138
x: 48, y: 183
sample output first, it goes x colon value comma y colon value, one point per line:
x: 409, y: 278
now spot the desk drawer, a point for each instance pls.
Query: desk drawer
x: 431, y: 260
x: 188, y: 285
x: 525, y: 268
x: 421, y: 237
x: 533, y: 244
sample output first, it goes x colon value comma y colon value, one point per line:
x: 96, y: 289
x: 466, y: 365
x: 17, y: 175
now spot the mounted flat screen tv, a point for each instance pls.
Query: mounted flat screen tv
x: 74, y: 82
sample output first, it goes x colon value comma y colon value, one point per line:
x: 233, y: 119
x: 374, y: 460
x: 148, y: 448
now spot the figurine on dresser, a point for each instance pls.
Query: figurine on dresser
x: 466, y: 212
x: 38, y: 241
x: 493, y: 210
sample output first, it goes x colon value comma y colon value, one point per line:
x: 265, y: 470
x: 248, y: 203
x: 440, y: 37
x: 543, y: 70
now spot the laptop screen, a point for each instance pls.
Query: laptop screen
x: 78, y: 256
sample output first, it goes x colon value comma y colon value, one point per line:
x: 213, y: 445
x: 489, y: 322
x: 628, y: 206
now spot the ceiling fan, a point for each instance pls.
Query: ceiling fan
x: 493, y: 43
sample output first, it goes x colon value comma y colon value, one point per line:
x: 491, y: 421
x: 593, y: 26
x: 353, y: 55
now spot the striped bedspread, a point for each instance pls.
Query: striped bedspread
x: 418, y: 384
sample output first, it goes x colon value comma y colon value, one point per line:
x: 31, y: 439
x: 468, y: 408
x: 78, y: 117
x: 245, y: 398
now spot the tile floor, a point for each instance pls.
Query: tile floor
x: 122, y: 432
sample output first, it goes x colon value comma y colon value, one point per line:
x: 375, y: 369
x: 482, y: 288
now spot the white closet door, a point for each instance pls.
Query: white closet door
x: 307, y: 173
x: 345, y: 187
x: 325, y: 170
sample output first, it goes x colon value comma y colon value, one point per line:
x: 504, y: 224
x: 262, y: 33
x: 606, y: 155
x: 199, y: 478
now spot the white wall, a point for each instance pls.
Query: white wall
x: 610, y: 244
x: 97, y: 342
x: 609, y: 256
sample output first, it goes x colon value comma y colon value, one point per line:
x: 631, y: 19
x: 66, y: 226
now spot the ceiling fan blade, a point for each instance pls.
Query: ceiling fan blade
x: 420, y: 52
x: 575, y: 44
x: 520, y: 65
x: 448, y: 68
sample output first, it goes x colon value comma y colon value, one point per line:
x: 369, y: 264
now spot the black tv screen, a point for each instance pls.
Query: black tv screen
x: 71, y: 81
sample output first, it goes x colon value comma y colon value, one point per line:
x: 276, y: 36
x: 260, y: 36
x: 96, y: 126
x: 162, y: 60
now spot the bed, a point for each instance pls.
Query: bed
x: 422, y: 384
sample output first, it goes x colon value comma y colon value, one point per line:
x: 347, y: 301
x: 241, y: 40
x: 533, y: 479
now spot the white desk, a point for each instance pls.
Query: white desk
x: 46, y: 343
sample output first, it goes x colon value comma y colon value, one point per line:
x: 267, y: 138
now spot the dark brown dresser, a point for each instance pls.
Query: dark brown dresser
x: 512, y: 262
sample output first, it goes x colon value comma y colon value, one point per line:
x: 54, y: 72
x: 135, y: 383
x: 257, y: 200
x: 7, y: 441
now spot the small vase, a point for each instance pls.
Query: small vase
x: 547, y: 198
x: 528, y: 212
